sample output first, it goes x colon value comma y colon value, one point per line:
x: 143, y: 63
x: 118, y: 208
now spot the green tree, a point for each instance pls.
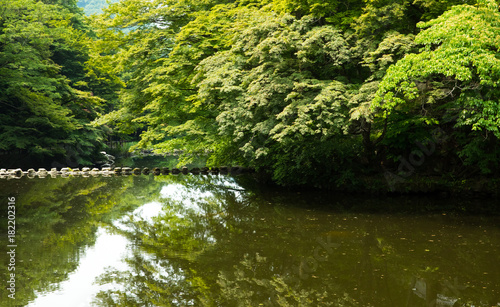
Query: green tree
x: 291, y: 86
x: 155, y: 50
x: 280, y: 89
x: 44, y: 112
x: 454, y: 78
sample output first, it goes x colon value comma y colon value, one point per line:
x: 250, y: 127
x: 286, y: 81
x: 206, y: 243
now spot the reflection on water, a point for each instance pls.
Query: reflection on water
x: 79, y: 288
x: 222, y: 241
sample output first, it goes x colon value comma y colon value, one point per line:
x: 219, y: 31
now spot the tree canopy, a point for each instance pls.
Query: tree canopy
x: 311, y: 92
x: 44, y: 96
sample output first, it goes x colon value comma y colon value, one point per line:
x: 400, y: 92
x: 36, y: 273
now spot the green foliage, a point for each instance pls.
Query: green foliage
x: 478, y: 151
x: 286, y: 86
x: 290, y: 87
x: 393, y: 47
x: 457, y: 68
x: 155, y: 53
x: 460, y: 49
x: 338, y: 13
x: 332, y: 161
x: 382, y: 16
x: 45, y: 108
x: 275, y: 89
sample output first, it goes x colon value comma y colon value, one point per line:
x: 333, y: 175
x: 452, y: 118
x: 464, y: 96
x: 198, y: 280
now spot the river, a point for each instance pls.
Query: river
x: 194, y: 240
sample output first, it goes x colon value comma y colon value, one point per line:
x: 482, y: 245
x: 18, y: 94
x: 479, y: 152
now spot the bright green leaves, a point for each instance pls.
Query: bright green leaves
x: 40, y: 66
x: 157, y: 58
x: 262, y: 82
x: 460, y: 51
x: 434, y: 8
x: 465, y: 36
x: 25, y: 41
x: 276, y: 88
x: 455, y: 76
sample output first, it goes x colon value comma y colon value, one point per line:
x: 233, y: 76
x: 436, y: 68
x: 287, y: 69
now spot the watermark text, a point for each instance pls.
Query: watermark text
x: 11, y: 247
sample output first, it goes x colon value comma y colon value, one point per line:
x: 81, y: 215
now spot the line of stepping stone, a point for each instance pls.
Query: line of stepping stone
x: 124, y: 171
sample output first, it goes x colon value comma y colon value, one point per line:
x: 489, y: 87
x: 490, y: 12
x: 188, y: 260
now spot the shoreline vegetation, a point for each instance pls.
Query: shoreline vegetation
x: 380, y: 185
x: 355, y: 96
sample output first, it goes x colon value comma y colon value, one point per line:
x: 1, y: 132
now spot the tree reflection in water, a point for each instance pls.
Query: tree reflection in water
x: 56, y: 222
x: 222, y: 241
x: 215, y: 243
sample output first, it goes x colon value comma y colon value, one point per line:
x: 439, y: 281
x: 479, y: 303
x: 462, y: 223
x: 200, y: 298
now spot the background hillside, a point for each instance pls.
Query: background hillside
x: 93, y: 6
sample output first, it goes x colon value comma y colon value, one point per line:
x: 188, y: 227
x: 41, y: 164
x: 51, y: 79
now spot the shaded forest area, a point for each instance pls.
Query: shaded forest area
x: 309, y: 92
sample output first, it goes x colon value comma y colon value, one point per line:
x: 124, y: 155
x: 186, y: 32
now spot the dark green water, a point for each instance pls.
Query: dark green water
x: 222, y: 241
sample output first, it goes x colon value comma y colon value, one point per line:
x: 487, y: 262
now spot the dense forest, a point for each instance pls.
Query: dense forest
x: 309, y: 92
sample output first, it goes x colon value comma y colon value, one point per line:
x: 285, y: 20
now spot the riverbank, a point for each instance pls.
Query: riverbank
x: 476, y: 187
x: 392, y: 185
x: 375, y: 184
x: 119, y: 171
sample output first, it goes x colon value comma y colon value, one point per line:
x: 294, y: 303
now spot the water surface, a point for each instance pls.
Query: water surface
x: 223, y: 241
